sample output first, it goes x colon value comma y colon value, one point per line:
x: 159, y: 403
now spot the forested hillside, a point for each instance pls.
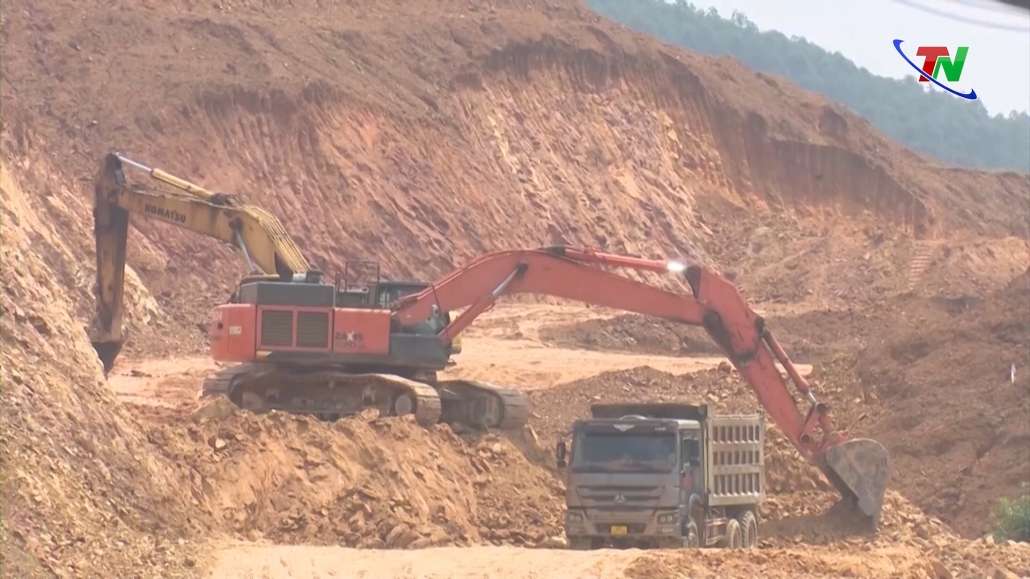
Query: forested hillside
x: 955, y: 131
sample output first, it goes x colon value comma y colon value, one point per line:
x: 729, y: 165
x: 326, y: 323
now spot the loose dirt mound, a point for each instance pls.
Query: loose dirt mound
x: 799, y: 508
x: 954, y: 407
x: 361, y: 482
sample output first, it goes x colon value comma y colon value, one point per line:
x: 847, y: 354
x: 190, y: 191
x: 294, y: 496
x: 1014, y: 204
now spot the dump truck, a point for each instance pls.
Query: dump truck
x: 663, y: 475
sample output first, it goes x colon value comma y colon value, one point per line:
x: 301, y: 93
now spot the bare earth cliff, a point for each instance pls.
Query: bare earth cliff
x: 425, y: 133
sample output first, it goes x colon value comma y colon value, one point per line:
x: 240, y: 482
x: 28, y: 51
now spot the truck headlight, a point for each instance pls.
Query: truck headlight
x: 573, y: 518
x: 667, y: 519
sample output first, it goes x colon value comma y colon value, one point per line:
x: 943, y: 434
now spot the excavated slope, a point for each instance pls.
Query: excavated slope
x: 424, y: 134
x: 81, y: 490
x: 419, y: 134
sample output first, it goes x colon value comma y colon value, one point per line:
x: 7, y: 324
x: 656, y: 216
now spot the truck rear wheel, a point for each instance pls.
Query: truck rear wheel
x: 749, y: 529
x: 734, y: 535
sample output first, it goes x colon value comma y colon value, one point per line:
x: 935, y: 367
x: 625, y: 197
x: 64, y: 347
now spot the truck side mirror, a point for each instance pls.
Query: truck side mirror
x: 560, y: 451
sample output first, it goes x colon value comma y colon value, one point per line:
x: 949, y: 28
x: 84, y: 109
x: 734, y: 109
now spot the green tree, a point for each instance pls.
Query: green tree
x: 955, y: 131
x: 1012, y: 518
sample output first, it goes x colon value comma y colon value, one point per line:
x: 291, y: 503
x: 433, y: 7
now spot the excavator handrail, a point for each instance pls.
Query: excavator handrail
x: 859, y: 468
x: 258, y: 234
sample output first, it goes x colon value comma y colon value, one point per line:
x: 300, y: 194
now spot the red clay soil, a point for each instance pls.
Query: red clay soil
x: 424, y: 134
x: 417, y: 133
x: 956, y: 423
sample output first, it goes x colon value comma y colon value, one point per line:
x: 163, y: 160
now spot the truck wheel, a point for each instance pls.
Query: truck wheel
x: 749, y: 529
x: 690, y: 539
x: 734, y: 535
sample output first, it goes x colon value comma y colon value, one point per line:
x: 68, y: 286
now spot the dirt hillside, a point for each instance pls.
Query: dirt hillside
x: 419, y: 134
x: 363, y: 482
x: 75, y: 461
x: 424, y: 134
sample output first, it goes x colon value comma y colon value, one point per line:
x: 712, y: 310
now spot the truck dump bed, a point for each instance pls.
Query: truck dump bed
x: 735, y: 447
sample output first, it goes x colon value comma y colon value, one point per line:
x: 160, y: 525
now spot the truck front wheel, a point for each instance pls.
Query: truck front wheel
x: 690, y: 539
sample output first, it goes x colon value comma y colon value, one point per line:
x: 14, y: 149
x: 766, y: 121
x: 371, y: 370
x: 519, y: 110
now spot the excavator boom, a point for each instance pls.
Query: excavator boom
x: 258, y: 234
x: 858, y: 468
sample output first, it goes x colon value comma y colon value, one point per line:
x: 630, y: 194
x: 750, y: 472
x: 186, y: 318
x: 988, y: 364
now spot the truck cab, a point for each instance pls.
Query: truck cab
x: 663, y: 475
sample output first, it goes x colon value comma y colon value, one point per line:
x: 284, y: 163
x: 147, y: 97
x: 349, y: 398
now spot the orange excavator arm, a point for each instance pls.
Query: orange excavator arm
x: 859, y: 468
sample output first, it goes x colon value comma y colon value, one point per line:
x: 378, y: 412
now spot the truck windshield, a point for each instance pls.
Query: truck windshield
x: 598, y: 452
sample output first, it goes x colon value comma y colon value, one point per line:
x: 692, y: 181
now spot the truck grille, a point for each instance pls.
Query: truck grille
x: 616, y: 497
x: 312, y: 330
x: 277, y: 328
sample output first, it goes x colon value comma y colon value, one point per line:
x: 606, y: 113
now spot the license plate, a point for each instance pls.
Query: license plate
x: 618, y: 529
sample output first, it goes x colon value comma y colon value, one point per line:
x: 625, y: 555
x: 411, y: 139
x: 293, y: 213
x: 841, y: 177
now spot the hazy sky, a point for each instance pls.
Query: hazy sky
x: 997, y: 65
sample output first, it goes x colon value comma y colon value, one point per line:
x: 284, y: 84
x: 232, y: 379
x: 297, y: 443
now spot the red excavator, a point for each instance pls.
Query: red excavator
x: 305, y: 346
x: 859, y: 468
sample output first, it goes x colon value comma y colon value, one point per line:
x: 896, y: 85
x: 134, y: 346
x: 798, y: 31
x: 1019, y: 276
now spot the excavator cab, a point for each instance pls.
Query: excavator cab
x: 361, y: 285
x: 390, y: 292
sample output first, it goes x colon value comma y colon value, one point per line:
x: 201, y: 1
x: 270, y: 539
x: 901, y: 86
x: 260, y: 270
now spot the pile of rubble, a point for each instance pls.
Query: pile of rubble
x: 364, y: 481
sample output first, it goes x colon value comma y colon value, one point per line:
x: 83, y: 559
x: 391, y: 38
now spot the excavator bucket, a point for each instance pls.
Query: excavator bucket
x: 107, y: 351
x: 860, y: 469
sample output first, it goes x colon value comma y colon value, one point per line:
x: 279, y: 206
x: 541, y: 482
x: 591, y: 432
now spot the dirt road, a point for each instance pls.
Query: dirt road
x: 504, y: 348
x: 518, y: 363
x: 249, y: 561
x: 274, y: 562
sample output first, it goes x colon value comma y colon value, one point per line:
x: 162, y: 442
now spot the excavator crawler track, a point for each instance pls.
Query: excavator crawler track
x: 483, y: 405
x: 325, y: 393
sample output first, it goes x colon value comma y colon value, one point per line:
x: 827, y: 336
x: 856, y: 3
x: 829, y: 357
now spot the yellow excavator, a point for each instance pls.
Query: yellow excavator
x: 276, y: 266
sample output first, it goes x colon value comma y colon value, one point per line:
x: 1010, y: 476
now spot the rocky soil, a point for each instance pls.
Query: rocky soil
x: 423, y: 134
x: 365, y: 482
